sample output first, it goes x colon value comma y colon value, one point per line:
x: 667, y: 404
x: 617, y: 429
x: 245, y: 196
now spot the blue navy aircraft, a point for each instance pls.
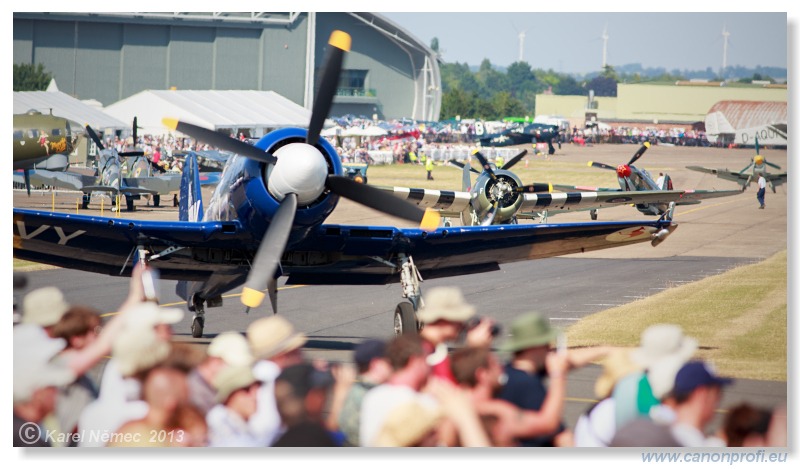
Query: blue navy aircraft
x: 265, y: 220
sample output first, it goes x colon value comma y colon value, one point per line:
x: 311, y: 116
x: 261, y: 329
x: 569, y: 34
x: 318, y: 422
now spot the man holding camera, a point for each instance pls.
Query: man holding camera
x: 446, y: 315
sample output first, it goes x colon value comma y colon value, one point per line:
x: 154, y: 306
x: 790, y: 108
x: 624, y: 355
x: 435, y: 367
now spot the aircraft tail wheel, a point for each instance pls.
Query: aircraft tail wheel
x: 405, y: 319
x: 197, y: 327
x: 156, y: 200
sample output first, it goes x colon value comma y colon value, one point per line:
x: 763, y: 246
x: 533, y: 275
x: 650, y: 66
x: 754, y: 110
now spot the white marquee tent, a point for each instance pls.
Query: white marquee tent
x: 64, y: 105
x: 258, y: 111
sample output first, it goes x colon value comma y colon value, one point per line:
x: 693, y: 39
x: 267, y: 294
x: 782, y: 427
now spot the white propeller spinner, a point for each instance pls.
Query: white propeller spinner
x: 301, y: 169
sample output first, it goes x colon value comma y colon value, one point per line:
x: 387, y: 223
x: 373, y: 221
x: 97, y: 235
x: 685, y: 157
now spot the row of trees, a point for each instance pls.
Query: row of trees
x: 492, y: 94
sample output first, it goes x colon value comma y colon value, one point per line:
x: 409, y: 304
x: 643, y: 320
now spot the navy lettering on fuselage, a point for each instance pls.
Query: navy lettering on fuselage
x: 63, y: 238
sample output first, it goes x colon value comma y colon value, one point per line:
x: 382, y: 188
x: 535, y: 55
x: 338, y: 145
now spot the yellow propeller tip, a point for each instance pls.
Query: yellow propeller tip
x: 647, y: 144
x: 590, y: 163
x: 340, y: 40
x: 430, y: 221
x: 549, y: 187
x: 475, y: 151
x: 252, y: 298
x: 171, y: 124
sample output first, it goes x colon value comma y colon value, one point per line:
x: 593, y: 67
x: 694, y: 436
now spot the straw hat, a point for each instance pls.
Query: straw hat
x: 445, y: 303
x: 231, y: 379
x: 44, y: 306
x: 232, y: 348
x: 273, y: 335
x: 406, y: 424
x: 617, y: 364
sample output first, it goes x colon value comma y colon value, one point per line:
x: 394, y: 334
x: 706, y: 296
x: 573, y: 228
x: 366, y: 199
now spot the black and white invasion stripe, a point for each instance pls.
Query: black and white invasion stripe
x: 452, y: 201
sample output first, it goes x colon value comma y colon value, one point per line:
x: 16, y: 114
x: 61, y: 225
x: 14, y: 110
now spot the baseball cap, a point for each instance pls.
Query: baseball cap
x: 696, y: 374
x: 44, y: 306
x: 232, y: 348
x: 368, y: 350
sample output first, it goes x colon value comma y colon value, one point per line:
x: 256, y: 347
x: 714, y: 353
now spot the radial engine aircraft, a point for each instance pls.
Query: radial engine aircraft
x: 748, y: 173
x: 265, y: 220
x: 44, y: 142
x: 639, y: 181
x: 499, y: 197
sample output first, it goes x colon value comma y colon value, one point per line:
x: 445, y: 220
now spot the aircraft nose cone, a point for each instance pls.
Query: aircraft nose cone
x: 623, y: 170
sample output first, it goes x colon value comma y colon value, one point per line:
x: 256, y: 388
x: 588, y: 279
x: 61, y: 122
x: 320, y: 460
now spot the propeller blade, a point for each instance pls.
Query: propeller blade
x: 272, y: 291
x: 485, y: 163
x: 383, y: 201
x: 771, y: 164
x: 340, y: 43
x: 602, y: 166
x: 221, y: 141
x: 514, y: 160
x: 131, y: 153
x: 95, y: 138
x: 490, y: 216
x: 269, y: 252
x: 757, y: 147
x: 462, y: 166
x: 639, y: 153
x: 27, y: 176
x: 135, y: 139
x: 536, y: 187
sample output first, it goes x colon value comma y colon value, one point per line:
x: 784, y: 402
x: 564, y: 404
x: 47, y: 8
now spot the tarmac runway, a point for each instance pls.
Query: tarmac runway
x: 712, y: 237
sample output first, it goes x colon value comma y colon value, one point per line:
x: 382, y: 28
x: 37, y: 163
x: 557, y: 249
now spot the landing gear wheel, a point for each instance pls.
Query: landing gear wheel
x: 85, y: 202
x: 156, y: 200
x: 129, y: 203
x: 197, y: 327
x: 405, y: 319
x: 175, y: 200
x: 593, y: 214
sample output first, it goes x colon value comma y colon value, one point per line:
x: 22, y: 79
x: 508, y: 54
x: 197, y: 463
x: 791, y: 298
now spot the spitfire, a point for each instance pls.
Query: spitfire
x: 746, y: 175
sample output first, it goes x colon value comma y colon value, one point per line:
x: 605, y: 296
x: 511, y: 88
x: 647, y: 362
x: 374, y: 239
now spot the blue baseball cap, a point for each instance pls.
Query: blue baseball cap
x: 368, y: 350
x: 695, y: 374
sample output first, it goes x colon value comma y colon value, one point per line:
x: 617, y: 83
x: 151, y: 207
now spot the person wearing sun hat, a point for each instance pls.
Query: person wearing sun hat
x: 226, y: 349
x: 444, y: 315
x: 237, y: 402
x: 275, y: 345
x: 531, y: 363
x: 44, y: 307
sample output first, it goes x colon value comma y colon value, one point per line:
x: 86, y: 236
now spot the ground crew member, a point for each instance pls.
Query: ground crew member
x: 499, y: 162
x: 429, y: 167
x: 413, y: 157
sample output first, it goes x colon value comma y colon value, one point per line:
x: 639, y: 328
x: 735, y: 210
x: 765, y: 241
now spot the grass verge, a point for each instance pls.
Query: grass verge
x: 739, y: 319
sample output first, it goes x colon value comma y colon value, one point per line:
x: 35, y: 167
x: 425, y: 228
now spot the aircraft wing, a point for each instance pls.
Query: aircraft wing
x: 446, y: 201
x: 163, y: 185
x: 566, y: 188
x: 220, y: 252
x: 591, y: 200
x: 696, y: 195
x: 121, y: 190
x: 722, y: 173
x: 62, y: 179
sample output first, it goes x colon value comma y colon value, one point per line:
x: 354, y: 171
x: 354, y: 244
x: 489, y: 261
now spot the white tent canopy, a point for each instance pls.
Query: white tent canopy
x: 64, y: 105
x: 260, y: 111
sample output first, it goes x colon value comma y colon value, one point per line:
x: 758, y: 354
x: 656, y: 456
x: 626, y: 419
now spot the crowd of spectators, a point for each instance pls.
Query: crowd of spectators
x: 456, y: 383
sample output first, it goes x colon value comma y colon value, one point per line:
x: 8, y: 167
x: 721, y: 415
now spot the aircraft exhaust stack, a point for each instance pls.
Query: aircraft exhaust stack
x: 659, y: 237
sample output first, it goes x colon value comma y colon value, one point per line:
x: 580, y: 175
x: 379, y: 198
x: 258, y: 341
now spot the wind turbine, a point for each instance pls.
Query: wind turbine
x: 521, y: 41
x: 725, y: 36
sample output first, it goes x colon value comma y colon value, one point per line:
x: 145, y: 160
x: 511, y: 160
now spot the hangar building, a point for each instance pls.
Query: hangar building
x: 112, y: 56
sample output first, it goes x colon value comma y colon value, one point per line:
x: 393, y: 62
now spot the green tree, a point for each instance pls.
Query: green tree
x: 31, y: 77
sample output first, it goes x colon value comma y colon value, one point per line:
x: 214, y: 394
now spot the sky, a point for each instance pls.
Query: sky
x: 572, y: 42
